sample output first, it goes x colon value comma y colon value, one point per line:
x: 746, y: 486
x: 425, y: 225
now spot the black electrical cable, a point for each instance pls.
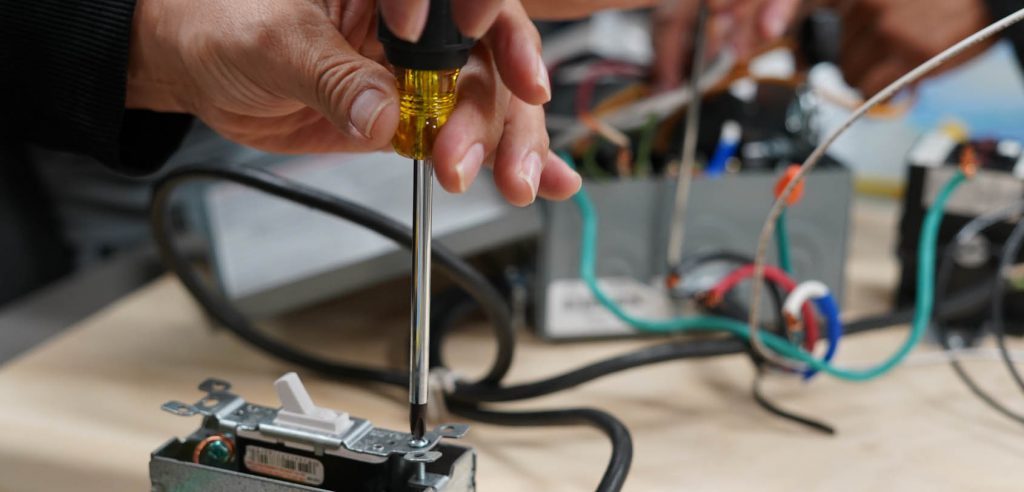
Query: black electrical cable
x: 1011, y: 251
x: 962, y: 302
x: 622, y: 443
x: 643, y: 357
x: 460, y: 272
x: 942, y: 284
x: 774, y: 409
x: 454, y: 305
x: 221, y: 309
x: 731, y: 309
x: 485, y: 294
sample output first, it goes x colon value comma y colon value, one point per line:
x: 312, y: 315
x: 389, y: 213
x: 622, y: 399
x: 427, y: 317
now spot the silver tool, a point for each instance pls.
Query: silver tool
x: 419, y: 342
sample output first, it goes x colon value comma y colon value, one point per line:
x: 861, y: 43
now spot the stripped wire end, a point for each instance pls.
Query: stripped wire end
x: 794, y: 325
x: 969, y: 161
x: 672, y: 280
x: 710, y: 299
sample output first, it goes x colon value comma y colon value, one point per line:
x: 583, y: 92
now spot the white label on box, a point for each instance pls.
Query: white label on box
x: 1018, y: 169
x: 573, y: 311
x: 985, y: 192
x: 288, y: 466
x: 932, y: 150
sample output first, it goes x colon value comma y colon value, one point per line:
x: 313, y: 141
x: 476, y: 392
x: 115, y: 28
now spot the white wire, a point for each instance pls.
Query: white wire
x: 688, y: 156
x: 811, y: 289
x: 974, y: 228
x: 769, y: 225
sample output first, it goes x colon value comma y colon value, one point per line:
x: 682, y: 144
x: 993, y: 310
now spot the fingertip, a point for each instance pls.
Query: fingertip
x: 457, y: 170
x: 519, y: 181
x: 517, y: 54
x: 523, y: 69
x: 384, y: 128
x: 372, y: 114
x: 405, y: 18
x: 559, y: 181
x: 776, y: 17
x: 474, y: 17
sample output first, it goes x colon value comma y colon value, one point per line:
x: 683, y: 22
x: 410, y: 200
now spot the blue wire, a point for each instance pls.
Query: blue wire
x: 727, y: 147
x: 829, y: 308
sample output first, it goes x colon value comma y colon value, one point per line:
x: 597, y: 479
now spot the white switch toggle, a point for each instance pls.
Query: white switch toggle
x: 299, y: 411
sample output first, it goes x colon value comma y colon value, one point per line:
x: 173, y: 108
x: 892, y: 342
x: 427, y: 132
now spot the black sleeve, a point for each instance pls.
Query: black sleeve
x: 1015, y: 34
x: 63, y: 65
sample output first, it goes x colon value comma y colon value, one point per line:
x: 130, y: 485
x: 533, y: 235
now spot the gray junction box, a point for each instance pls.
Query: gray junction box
x: 724, y: 214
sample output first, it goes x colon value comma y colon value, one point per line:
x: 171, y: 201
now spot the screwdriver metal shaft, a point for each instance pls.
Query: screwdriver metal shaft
x: 419, y: 345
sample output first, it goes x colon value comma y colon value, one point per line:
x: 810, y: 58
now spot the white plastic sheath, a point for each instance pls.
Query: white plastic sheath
x: 732, y: 132
x: 768, y: 229
x: 985, y: 221
x: 677, y: 228
x: 811, y: 289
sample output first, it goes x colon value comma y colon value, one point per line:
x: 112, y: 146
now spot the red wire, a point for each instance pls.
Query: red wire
x: 777, y: 276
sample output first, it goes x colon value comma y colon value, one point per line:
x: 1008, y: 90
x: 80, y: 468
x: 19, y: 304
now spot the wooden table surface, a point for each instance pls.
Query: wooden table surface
x: 81, y: 413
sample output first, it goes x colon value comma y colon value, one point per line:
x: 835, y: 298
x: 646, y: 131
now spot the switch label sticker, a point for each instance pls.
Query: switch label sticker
x: 286, y: 466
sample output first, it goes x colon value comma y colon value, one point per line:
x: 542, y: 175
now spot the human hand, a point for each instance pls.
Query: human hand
x: 884, y: 39
x: 744, y: 25
x: 308, y: 76
x: 575, y: 9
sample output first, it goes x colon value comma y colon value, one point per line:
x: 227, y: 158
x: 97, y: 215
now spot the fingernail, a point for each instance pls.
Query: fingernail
x: 469, y: 166
x: 543, y: 80
x: 365, y: 109
x: 529, y: 173
x: 775, y: 20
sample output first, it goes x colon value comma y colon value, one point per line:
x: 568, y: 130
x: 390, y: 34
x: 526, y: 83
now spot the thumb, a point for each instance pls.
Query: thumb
x: 356, y: 94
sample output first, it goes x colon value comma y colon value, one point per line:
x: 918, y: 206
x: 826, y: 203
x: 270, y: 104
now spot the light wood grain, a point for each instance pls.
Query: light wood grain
x: 81, y: 413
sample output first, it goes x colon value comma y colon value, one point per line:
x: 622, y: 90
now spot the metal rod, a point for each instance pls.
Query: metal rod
x: 677, y: 227
x: 419, y: 343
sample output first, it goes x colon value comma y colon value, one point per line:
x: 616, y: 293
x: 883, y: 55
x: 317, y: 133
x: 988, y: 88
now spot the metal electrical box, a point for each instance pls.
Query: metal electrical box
x: 724, y: 214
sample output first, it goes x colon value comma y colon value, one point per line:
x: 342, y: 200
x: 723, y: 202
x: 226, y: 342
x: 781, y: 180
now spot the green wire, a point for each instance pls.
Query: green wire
x: 782, y: 244
x: 922, y: 314
x: 643, y: 164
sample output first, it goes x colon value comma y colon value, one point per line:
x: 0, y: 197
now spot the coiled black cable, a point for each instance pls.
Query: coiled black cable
x: 455, y: 305
x: 622, y: 443
x: 462, y: 273
x: 1011, y: 251
x: 975, y: 298
x: 467, y: 395
x: 638, y: 358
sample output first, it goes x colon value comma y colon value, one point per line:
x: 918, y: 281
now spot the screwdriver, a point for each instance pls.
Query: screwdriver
x: 425, y: 73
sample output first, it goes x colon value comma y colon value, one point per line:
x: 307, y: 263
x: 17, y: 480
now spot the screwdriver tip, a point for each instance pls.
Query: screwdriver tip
x: 418, y: 419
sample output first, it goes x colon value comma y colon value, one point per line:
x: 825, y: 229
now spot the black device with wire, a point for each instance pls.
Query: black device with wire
x: 998, y: 183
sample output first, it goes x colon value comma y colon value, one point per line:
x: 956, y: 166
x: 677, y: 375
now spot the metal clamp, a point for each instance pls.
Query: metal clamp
x: 362, y: 441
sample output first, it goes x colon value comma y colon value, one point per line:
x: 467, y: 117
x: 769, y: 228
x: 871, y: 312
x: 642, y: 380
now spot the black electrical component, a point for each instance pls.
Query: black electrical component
x: 997, y: 185
x: 441, y: 46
